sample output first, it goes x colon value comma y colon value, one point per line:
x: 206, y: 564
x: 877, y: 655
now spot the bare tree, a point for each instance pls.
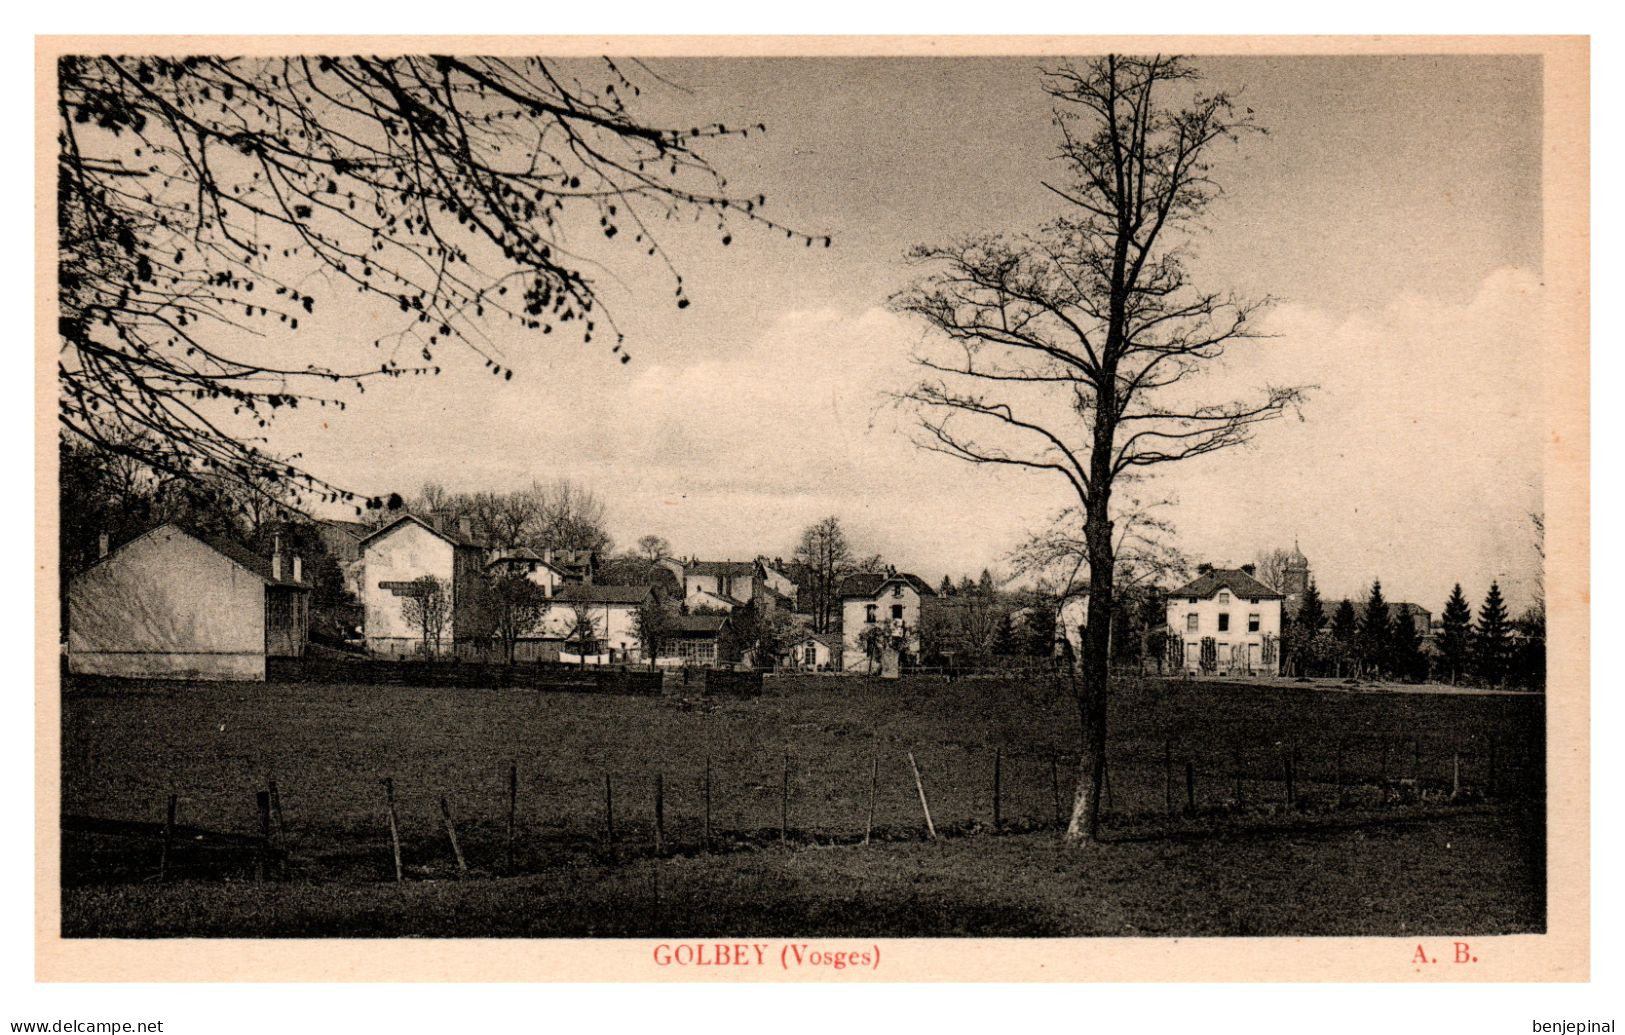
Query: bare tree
x: 1069, y: 351
x: 198, y: 196
x: 654, y: 548
x: 1270, y: 567
x: 824, y: 558
x: 427, y: 607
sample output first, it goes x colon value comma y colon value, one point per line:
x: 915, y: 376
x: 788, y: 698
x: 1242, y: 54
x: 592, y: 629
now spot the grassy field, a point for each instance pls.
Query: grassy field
x: 1226, y: 868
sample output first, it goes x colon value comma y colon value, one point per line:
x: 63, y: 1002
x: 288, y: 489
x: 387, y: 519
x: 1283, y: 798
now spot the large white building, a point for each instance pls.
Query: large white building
x: 407, y: 549
x: 171, y: 604
x: 1230, y: 618
x: 888, y: 601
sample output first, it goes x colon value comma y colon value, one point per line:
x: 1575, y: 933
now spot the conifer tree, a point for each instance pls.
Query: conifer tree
x: 1456, y: 639
x: 1345, y: 627
x: 1491, y: 637
x: 1375, y: 632
x: 1311, y: 616
x: 1405, y: 649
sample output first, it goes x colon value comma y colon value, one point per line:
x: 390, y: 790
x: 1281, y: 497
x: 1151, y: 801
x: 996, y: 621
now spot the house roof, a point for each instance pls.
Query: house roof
x: 830, y: 640
x: 730, y: 569
x: 698, y: 623
x: 357, y: 529
x: 1407, y: 608
x: 241, y: 556
x: 1234, y: 579
x: 450, y: 535
x: 576, y: 593
x: 869, y: 584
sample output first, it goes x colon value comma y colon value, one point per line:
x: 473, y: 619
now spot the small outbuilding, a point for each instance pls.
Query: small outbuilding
x: 172, y: 604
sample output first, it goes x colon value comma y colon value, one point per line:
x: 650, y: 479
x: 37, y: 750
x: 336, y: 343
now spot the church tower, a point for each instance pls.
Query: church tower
x: 1294, y: 579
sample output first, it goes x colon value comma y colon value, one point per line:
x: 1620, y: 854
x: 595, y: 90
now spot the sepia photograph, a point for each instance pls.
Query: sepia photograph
x: 791, y: 508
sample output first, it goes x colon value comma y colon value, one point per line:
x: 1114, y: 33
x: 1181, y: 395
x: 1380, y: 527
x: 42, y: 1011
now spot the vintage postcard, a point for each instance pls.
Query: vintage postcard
x: 838, y: 509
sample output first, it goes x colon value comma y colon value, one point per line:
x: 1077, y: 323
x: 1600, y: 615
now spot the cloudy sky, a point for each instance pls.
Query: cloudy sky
x: 1393, y: 209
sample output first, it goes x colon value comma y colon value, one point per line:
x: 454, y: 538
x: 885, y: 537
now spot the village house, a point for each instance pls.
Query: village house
x: 812, y: 652
x: 343, y: 542
x: 407, y: 549
x: 887, y: 601
x: 170, y: 604
x: 698, y: 640
x: 723, y: 585
x: 593, y: 624
x: 1420, y: 618
x: 1230, y: 618
x: 777, y: 581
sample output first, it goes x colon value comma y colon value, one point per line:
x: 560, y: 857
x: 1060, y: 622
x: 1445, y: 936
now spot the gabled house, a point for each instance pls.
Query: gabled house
x: 343, y: 542
x: 812, y: 652
x: 592, y: 623
x: 539, y: 569
x: 1225, y: 622
x: 723, y: 585
x: 406, y: 549
x: 701, y: 640
x: 880, y: 611
x: 177, y: 605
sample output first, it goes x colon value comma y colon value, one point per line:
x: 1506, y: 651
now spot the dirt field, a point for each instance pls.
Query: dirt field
x: 1225, y: 867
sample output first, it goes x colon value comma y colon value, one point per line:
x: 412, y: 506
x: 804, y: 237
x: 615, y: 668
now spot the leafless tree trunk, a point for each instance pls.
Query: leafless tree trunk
x: 1057, y: 346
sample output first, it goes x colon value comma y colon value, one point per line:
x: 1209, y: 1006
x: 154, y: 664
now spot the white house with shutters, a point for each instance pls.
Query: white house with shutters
x: 1228, y: 616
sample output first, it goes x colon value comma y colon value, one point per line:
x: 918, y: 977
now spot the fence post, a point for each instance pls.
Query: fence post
x: 998, y: 764
x: 169, y: 837
x: 1455, y: 776
x: 609, y: 810
x: 262, y: 801
x: 1167, y: 779
x: 280, y: 827
x: 1055, y: 786
x: 451, y: 832
x: 874, y: 778
x: 924, y: 805
x: 660, y: 813
x: 784, y: 803
x: 708, y: 803
x: 513, y: 807
x: 394, y: 828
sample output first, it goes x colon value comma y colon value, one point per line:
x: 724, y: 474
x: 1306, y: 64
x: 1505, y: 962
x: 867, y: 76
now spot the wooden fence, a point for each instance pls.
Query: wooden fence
x: 526, y: 820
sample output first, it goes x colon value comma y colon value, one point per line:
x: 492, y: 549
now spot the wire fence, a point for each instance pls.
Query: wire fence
x: 522, y: 819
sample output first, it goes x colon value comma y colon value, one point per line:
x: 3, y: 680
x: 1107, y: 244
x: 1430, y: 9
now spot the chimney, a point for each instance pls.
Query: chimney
x: 438, y: 519
x: 101, y: 545
x: 1250, y: 569
x: 298, y: 568
x: 276, y: 559
x: 465, y: 527
x: 547, y: 554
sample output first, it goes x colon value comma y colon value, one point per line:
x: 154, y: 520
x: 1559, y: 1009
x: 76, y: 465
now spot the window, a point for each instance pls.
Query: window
x: 1252, y: 623
x: 897, y: 590
x: 1191, y: 622
x: 1224, y: 621
x: 897, y: 612
x: 869, y: 613
x: 1254, y: 600
x: 1224, y: 596
x: 1193, y: 600
x: 811, y: 656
